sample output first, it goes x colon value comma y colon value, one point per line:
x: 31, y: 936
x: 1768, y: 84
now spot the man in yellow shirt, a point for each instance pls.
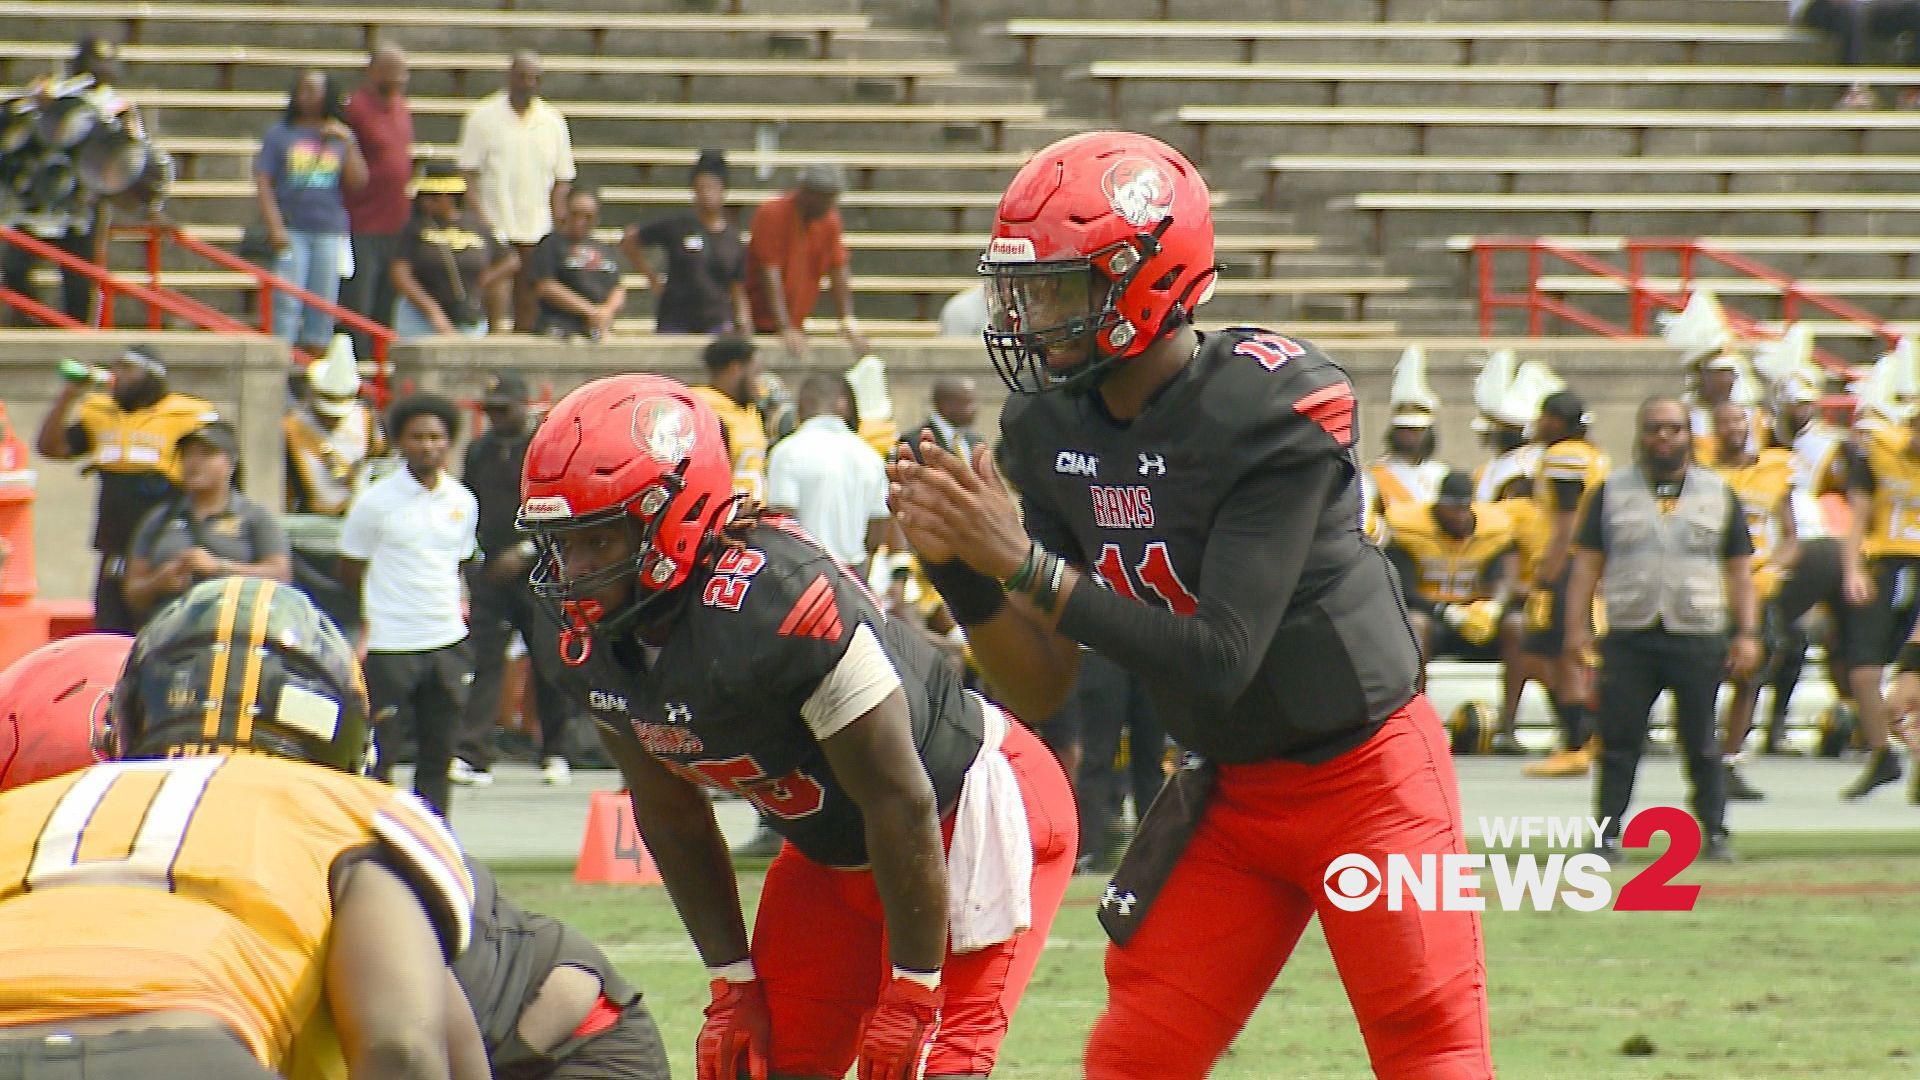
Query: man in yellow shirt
x: 1763, y: 483
x: 731, y: 389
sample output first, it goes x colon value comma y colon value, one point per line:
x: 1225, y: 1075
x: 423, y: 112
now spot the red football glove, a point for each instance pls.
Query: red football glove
x: 738, y: 1030
x: 899, y: 1032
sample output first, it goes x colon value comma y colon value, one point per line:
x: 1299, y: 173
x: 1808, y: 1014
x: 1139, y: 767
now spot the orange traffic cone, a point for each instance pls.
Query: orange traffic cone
x: 612, y: 852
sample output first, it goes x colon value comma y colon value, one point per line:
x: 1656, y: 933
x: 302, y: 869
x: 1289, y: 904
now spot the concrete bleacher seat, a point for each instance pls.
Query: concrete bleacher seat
x: 142, y: 22
x: 1509, y: 85
x: 204, y: 112
x: 254, y: 67
x: 1458, y: 43
x: 1626, y: 132
x: 1802, y: 254
x: 1705, y: 172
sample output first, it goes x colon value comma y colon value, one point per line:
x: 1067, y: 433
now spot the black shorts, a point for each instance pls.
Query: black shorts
x: 629, y: 1050
x: 1449, y: 645
x: 1549, y: 638
x: 202, y: 1053
x: 1871, y: 634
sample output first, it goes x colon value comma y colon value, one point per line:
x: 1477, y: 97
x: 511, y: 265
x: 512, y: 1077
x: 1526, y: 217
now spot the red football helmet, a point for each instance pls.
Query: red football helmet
x: 642, y: 449
x: 1103, y: 238
x: 53, y: 707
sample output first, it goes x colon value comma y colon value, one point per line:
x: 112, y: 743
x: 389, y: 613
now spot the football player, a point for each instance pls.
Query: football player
x: 1763, y: 482
x: 1459, y: 574
x: 1191, y: 511
x: 227, y: 886
x: 1569, y: 468
x: 929, y: 837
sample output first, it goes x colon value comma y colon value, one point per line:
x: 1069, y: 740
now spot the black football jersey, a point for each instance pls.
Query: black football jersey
x: 720, y: 702
x: 1213, y: 455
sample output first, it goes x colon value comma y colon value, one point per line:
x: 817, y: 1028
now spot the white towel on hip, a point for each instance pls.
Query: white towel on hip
x: 990, y: 861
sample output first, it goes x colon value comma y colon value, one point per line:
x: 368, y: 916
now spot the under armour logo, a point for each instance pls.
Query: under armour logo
x: 678, y: 713
x: 1153, y: 465
x: 1120, y: 901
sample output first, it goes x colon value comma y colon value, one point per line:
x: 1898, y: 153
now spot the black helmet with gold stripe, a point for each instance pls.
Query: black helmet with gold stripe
x: 243, y: 663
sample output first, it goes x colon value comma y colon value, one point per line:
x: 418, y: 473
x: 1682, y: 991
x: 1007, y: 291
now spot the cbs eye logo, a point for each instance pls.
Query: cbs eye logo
x: 1352, y: 882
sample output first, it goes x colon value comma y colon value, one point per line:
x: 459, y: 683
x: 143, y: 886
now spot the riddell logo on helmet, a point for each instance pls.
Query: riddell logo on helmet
x: 1139, y: 191
x: 1008, y: 249
x: 546, y: 508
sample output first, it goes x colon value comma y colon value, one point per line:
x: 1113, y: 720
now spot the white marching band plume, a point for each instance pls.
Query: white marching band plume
x: 1698, y: 330
x: 871, y: 401
x: 1412, y: 401
x: 1786, y: 364
x: 1891, y: 388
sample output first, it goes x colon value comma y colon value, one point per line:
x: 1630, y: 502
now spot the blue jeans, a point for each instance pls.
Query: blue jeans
x: 311, y: 261
x: 409, y: 323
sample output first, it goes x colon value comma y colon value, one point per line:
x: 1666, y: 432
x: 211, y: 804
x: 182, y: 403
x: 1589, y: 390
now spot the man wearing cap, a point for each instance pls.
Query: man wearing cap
x: 517, y: 155
x: 129, y: 434
x: 210, y: 530
x: 500, y: 600
x: 331, y: 435
x: 1570, y: 467
x: 797, y: 241
x: 1667, y: 544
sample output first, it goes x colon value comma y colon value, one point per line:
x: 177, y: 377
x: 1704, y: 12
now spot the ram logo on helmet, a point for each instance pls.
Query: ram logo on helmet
x: 1139, y: 191
x: 663, y: 428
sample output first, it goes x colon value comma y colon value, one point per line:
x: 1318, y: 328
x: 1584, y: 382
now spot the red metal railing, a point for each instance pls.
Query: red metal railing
x: 159, y: 301
x: 1644, y: 300
x: 155, y: 234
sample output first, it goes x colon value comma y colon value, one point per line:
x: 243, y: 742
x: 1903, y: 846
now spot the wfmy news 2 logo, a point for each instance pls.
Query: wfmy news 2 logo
x: 1512, y: 878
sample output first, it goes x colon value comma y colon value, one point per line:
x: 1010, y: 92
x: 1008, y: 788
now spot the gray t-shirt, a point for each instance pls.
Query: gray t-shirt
x: 244, y: 532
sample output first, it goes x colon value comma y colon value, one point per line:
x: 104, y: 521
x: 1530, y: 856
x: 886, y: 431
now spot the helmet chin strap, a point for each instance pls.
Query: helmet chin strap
x: 576, y: 638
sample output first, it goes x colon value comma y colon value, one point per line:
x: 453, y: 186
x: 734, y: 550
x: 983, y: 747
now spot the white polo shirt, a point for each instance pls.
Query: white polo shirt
x: 518, y: 160
x: 834, y: 482
x: 413, y: 542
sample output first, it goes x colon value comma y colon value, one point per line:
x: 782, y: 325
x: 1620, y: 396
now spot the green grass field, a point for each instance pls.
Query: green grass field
x: 1802, y: 961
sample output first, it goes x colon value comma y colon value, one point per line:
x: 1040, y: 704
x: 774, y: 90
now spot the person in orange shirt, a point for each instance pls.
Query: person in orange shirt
x: 226, y: 900
x: 796, y: 242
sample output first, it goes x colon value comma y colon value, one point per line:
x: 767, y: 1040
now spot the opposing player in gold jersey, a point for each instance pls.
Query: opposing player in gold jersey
x: 1881, y: 565
x: 1763, y: 482
x: 227, y: 888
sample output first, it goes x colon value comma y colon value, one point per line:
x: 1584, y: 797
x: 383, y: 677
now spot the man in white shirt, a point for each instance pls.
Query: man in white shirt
x: 828, y: 477
x: 403, y: 546
x: 518, y: 160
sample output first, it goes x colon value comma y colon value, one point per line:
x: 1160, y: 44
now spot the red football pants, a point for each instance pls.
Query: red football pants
x: 819, y: 943
x: 1233, y: 908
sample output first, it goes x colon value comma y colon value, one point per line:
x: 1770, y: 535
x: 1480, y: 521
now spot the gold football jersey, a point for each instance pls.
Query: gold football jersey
x: 746, y: 440
x: 1893, y: 514
x: 1449, y: 570
x: 199, y: 883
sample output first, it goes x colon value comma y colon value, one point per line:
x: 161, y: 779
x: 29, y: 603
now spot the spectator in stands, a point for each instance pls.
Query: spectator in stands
x: 446, y: 261
x: 76, y: 232
x: 210, y: 530
x: 501, y: 600
x: 732, y: 390
x: 828, y: 478
x: 797, y: 241
x: 308, y: 163
x: 130, y: 435
x: 576, y: 278
x: 403, y: 545
x: 1856, y: 22
x: 377, y: 212
x: 964, y: 315
x: 518, y: 157
x: 702, y: 290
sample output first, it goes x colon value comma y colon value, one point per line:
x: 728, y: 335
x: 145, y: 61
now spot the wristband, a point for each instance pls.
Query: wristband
x: 740, y: 971
x: 1022, y: 577
x: 928, y: 979
x: 972, y: 597
x: 1907, y: 660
